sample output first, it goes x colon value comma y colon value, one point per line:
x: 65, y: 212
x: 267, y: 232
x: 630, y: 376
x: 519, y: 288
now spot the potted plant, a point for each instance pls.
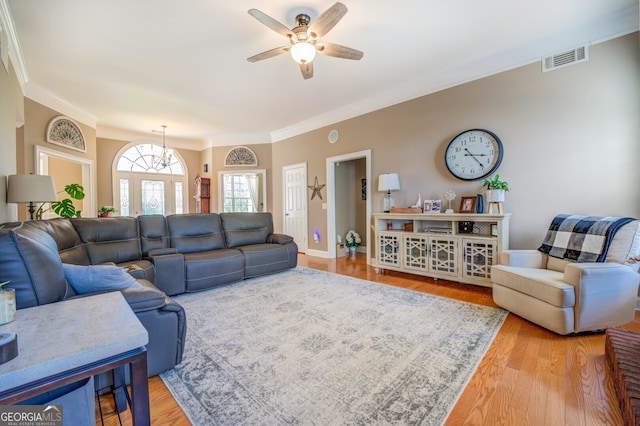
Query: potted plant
x: 496, y: 189
x: 7, y: 304
x: 353, y: 240
x: 65, y: 207
x: 105, y: 211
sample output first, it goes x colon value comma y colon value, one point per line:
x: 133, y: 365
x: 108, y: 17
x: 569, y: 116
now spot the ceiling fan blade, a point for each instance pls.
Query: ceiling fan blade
x: 269, y: 54
x: 328, y: 20
x: 331, y: 49
x: 271, y: 23
x: 307, y: 70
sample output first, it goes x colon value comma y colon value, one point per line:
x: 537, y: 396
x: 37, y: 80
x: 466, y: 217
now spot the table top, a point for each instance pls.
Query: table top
x: 61, y: 336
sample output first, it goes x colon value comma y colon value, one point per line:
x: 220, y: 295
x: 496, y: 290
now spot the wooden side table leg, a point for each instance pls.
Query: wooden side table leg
x: 140, y: 391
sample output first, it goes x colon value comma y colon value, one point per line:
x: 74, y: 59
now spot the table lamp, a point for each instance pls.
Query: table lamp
x: 31, y: 189
x: 388, y: 182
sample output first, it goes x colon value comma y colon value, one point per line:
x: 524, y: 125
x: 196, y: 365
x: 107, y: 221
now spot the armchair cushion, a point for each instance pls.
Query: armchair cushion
x: 543, y: 284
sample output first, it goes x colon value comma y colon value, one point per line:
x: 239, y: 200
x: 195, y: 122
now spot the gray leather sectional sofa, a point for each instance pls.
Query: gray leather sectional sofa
x: 167, y: 255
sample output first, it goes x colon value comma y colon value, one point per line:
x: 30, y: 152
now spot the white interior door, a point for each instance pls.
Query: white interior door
x: 295, y: 204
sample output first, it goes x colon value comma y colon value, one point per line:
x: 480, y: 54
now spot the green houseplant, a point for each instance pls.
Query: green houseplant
x: 496, y: 188
x: 65, y: 207
x: 105, y: 211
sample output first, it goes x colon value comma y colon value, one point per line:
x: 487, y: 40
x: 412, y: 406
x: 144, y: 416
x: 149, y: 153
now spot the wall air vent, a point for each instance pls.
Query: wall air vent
x: 559, y: 60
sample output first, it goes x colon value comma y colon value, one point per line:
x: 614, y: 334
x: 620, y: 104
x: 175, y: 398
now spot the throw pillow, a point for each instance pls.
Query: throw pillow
x: 97, y: 278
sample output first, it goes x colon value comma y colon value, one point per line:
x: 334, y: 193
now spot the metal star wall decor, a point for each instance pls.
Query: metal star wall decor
x: 316, y: 189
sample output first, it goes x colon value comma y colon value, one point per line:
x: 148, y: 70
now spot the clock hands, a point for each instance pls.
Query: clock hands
x: 474, y: 157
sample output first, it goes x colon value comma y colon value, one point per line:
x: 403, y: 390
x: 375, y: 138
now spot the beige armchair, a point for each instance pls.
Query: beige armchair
x: 570, y: 297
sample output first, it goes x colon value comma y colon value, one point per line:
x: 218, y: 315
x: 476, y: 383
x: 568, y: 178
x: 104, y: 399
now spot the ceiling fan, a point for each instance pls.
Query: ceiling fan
x: 305, y: 40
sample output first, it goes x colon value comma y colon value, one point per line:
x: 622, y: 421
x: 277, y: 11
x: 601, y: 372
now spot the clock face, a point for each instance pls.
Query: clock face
x: 473, y: 154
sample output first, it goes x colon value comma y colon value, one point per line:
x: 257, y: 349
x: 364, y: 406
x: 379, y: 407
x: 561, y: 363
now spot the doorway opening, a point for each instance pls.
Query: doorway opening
x: 333, y: 193
x: 51, y: 162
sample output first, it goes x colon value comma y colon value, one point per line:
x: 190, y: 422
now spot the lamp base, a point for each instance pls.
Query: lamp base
x: 388, y: 202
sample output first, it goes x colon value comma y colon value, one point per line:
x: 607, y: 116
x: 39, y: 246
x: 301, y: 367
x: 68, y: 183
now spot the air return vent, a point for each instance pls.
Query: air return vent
x: 559, y: 60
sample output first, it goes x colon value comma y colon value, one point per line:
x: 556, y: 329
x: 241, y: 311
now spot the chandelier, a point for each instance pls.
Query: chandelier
x: 165, y: 156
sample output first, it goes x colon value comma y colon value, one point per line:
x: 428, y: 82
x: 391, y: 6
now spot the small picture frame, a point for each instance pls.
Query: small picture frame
x: 494, y: 229
x: 468, y: 205
x: 426, y: 207
x: 436, y: 205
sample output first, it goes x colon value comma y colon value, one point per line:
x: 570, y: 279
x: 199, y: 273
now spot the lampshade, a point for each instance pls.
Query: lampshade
x: 31, y: 189
x: 303, y: 52
x: 388, y: 182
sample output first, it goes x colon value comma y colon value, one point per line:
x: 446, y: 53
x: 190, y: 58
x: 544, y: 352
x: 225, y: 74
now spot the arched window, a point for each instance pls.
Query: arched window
x: 148, y: 180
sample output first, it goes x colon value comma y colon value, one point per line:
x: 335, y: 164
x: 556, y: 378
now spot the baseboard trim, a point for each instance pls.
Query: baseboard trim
x: 318, y: 253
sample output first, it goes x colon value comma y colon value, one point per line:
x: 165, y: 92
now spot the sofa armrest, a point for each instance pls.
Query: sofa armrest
x: 523, y: 258
x: 605, y: 293
x: 159, y: 252
x: 170, y: 275
x: 144, y: 298
x: 279, y: 239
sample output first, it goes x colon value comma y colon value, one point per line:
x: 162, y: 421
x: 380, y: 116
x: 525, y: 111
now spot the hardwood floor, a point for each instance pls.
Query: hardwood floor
x: 529, y: 376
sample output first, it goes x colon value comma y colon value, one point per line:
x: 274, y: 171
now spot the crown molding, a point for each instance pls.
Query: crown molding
x: 116, y: 133
x: 50, y: 100
x: 15, y: 51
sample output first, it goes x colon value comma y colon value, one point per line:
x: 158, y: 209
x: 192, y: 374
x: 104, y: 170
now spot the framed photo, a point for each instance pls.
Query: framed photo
x: 494, y: 229
x: 468, y: 205
x: 426, y: 207
x: 436, y: 205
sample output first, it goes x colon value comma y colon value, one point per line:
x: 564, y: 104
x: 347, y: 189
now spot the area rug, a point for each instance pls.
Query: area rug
x: 306, y: 347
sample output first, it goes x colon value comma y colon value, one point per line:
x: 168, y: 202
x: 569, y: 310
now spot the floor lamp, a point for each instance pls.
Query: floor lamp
x: 31, y: 189
x: 388, y: 182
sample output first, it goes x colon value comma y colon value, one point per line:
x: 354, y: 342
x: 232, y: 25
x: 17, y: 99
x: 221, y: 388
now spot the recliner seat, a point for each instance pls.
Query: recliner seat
x: 568, y: 297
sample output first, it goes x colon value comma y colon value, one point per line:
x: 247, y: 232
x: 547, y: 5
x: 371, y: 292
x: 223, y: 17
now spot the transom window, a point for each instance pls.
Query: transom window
x: 148, y: 182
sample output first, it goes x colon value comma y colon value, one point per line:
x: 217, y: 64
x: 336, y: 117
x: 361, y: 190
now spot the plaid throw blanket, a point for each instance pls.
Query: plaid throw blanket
x: 581, y: 238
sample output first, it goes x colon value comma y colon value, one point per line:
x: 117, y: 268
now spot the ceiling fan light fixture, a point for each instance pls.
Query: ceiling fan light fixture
x: 303, y: 52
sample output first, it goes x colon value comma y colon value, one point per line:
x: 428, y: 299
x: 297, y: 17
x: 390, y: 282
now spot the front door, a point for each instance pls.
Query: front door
x: 295, y: 204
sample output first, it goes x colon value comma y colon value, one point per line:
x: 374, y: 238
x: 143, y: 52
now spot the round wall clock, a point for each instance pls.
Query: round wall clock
x: 474, y: 154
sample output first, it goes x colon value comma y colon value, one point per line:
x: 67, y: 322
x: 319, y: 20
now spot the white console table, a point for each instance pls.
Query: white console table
x: 61, y: 343
x: 432, y: 244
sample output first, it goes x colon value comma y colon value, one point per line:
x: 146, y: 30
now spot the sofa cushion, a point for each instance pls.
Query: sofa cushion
x: 543, y: 284
x: 70, y: 246
x: 241, y: 229
x: 191, y: 233
x: 268, y: 258
x: 139, y: 269
x: 154, y: 233
x: 210, y: 268
x: 111, y: 239
x: 29, y: 261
